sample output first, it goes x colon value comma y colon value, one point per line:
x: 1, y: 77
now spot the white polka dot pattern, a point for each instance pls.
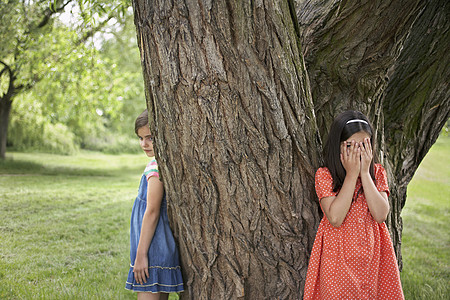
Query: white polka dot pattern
x: 355, y: 260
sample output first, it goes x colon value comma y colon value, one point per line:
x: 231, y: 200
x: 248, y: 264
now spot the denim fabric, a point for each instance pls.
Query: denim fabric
x: 163, y: 257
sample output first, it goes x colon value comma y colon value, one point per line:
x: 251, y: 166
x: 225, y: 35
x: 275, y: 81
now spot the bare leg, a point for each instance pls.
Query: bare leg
x: 164, y: 296
x: 152, y: 296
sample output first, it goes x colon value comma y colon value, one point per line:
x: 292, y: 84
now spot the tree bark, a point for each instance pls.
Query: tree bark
x: 5, y: 107
x: 372, y: 56
x: 349, y: 47
x: 416, y: 104
x: 238, y: 122
x: 236, y: 140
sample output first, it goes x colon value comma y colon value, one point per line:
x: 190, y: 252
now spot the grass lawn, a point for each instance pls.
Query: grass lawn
x: 64, y: 224
x: 426, y: 243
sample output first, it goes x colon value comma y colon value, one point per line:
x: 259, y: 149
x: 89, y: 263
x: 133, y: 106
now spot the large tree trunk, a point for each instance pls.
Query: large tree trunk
x: 238, y: 124
x: 349, y: 46
x: 236, y: 140
x: 389, y: 60
x: 417, y: 103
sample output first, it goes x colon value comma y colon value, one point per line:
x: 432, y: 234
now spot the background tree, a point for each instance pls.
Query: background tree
x: 89, y: 101
x: 241, y: 95
x: 63, y: 80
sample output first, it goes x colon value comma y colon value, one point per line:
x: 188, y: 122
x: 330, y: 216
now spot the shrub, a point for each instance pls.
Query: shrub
x: 111, y: 143
x: 30, y: 131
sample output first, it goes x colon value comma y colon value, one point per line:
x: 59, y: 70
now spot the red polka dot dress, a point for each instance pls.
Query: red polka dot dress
x: 355, y: 260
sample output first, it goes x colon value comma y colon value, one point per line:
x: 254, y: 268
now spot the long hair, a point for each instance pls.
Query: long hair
x: 340, y: 131
x: 141, y: 121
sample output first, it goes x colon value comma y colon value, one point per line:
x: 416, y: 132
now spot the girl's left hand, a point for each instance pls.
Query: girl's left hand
x: 141, y: 269
x: 366, y: 155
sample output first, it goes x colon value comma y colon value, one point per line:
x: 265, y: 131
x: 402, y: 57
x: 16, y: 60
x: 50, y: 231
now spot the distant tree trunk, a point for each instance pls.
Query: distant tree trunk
x: 238, y: 125
x: 5, y: 107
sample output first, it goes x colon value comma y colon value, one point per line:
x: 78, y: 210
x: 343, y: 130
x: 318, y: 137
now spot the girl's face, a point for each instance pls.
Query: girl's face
x: 358, y: 137
x: 146, y: 140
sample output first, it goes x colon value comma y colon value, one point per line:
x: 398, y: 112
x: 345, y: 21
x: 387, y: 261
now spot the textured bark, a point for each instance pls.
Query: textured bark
x: 417, y: 103
x: 234, y: 114
x: 349, y: 47
x: 236, y: 140
x: 381, y: 57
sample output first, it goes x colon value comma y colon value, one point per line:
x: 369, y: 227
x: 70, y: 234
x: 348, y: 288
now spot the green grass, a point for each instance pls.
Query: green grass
x: 64, y: 224
x: 426, y: 243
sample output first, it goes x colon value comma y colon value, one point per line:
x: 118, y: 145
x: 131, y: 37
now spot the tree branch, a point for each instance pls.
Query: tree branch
x: 7, y: 67
x: 11, y: 87
x: 94, y: 30
x: 417, y: 98
x: 48, y: 12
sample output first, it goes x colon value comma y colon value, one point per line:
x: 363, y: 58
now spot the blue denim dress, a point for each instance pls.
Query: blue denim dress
x: 163, y: 258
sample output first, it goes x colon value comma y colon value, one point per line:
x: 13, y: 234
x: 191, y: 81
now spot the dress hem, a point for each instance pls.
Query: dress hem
x: 145, y: 288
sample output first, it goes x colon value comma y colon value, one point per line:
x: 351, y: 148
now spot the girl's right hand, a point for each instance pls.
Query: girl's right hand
x: 351, y: 158
x: 140, y: 269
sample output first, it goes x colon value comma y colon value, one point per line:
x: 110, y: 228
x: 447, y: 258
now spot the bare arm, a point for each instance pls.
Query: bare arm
x: 376, y: 201
x: 337, y: 207
x: 155, y: 192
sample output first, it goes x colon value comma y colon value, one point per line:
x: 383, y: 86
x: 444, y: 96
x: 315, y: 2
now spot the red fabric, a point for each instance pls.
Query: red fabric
x: 355, y: 260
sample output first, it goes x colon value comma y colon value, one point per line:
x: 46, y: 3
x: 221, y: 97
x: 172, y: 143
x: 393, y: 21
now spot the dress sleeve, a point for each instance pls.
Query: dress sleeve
x: 381, y: 179
x: 324, y: 184
x: 151, y: 169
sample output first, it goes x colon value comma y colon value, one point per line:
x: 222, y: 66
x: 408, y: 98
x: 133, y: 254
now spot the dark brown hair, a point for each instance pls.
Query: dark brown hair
x: 141, y: 121
x: 340, y: 131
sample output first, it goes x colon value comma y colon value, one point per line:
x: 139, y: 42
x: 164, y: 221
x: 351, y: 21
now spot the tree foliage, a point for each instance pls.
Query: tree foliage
x: 70, y: 72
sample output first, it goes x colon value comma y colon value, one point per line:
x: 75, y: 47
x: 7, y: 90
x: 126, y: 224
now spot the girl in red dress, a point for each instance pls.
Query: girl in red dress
x: 352, y: 256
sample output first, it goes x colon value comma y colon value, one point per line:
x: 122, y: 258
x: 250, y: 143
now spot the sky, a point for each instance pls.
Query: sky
x: 72, y: 17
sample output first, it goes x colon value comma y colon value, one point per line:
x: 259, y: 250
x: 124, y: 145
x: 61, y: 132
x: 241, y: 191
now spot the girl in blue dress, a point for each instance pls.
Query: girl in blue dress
x: 154, y: 269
